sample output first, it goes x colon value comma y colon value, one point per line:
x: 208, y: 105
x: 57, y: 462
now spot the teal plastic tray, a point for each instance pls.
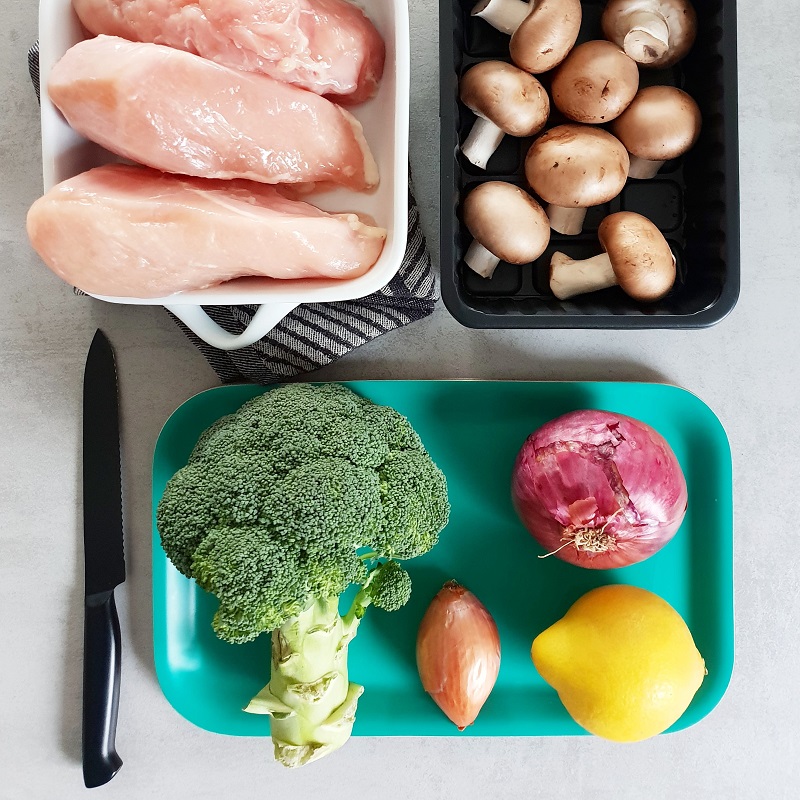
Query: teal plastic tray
x: 473, y: 430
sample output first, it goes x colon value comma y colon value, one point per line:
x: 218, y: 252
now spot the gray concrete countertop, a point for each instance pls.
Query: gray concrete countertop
x: 747, y: 369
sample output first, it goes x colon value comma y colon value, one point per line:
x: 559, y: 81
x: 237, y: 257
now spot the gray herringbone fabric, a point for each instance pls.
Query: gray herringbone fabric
x: 316, y: 334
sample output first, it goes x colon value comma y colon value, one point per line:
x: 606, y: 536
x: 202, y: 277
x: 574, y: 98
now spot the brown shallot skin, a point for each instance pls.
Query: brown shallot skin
x: 458, y: 653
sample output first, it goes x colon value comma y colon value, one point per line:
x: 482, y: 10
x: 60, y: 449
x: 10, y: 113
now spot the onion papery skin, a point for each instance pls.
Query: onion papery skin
x: 599, y: 490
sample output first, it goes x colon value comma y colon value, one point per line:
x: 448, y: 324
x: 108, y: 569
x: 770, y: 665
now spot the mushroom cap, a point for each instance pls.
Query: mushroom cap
x: 507, y: 221
x: 577, y: 166
x: 640, y: 256
x: 595, y: 83
x: 546, y: 35
x: 680, y: 17
x: 512, y: 99
x: 661, y: 123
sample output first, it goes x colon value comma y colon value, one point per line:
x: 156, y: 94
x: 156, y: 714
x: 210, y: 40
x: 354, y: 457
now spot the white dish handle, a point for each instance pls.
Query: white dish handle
x: 264, y: 320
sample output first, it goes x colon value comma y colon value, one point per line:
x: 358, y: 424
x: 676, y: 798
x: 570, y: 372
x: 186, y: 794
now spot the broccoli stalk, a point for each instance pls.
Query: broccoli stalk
x: 309, y: 697
x: 272, y: 514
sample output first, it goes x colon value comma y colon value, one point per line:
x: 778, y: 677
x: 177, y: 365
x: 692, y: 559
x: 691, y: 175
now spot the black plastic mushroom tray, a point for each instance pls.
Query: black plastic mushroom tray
x: 694, y: 200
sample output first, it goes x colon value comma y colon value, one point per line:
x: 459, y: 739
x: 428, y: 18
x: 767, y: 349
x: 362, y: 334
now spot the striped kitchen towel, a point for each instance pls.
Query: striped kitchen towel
x: 314, y: 335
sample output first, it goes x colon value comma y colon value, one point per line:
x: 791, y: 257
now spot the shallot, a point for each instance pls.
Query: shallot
x: 598, y: 489
x: 458, y: 653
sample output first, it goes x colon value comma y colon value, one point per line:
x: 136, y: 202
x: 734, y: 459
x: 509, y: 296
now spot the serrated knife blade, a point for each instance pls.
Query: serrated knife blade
x: 104, y: 563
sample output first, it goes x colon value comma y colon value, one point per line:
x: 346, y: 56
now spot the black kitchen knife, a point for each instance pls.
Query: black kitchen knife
x: 105, y: 563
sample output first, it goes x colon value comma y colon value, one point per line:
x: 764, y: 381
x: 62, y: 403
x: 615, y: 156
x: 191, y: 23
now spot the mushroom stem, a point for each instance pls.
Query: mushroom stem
x: 642, y: 169
x: 481, y: 260
x: 505, y: 15
x: 569, y: 277
x: 568, y: 221
x: 483, y: 140
x: 647, y: 38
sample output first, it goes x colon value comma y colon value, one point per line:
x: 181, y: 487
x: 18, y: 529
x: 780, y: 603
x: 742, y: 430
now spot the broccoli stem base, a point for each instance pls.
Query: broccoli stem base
x: 311, y: 702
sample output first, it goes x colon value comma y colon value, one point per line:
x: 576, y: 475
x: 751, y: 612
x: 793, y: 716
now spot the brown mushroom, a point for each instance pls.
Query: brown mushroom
x: 506, y: 100
x: 654, y: 33
x: 637, y: 258
x: 595, y: 83
x: 506, y: 223
x: 505, y: 15
x: 545, y: 37
x: 660, y: 124
x: 574, y: 167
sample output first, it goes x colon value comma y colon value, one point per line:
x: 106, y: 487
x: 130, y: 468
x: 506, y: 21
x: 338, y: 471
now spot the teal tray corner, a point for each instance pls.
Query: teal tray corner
x: 473, y: 429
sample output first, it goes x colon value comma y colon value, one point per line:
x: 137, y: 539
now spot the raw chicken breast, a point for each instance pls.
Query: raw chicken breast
x: 178, y: 112
x: 326, y: 46
x: 129, y: 231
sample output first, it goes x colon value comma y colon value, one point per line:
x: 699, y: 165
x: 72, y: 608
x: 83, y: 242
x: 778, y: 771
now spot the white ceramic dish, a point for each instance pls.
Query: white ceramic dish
x: 385, y: 119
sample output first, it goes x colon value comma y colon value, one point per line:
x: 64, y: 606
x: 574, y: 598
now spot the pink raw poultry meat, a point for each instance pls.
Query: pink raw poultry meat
x: 326, y: 46
x: 180, y: 113
x: 129, y: 231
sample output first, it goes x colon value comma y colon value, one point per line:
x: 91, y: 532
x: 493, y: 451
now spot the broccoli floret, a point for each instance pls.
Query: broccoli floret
x: 388, y: 587
x: 273, y: 514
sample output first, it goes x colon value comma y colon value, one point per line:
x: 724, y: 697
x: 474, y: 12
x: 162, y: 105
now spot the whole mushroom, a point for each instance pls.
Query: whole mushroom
x: 595, y: 83
x: 654, y: 33
x: 546, y: 36
x: 507, y: 101
x: 574, y: 167
x: 506, y: 223
x: 637, y: 258
x: 660, y: 124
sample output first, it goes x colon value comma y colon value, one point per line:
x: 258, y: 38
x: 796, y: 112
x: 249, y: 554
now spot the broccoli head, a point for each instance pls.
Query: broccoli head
x: 279, y: 500
x: 283, y: 504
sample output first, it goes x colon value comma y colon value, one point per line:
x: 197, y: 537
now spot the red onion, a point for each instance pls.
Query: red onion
x: 458, y: 653
x: 599, y: 490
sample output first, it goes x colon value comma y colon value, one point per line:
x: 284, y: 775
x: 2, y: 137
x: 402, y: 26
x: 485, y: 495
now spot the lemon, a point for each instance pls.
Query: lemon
x: 623, y: 662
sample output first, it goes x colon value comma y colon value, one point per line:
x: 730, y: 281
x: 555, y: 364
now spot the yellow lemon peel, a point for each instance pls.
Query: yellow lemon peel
x: 623, y: 662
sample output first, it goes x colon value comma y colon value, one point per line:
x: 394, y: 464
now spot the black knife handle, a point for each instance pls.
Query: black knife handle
x: 101, y: 670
